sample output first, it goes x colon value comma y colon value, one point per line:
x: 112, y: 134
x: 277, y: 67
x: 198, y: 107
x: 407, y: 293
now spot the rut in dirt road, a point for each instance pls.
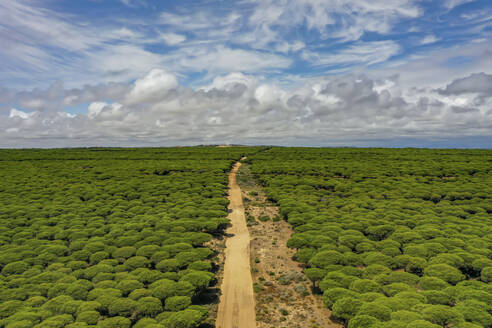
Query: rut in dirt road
x: 237, y: 305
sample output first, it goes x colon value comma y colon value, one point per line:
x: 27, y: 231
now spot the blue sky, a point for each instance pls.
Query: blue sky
x: 60, y: 57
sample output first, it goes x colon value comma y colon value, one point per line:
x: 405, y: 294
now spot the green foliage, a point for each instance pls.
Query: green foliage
x: 115, y: 322
x: 365, y: 286
x: 177, y: 303
x: 418, y: 211
x: 122, y: 307
x: 330, y: 296
x: 188, y: 318
x: 380, y: 312
x: 363, y: 321
x: 17, y: 267
x: 422, y: 324
x: 326, y: 258
x: 199, y: 279
x: 405, y: 316
x: 346, y: 308
x: 444, y: 272
x: 442, y: 315
x: 83, y: 228
x: 149, y: 306
x: 486, y: 274
x: 89, y: 317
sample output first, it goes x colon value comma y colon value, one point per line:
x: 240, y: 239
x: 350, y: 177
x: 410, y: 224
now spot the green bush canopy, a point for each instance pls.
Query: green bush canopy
x: 392, y: 237
x: 110, y: 237
x: 117, y: 237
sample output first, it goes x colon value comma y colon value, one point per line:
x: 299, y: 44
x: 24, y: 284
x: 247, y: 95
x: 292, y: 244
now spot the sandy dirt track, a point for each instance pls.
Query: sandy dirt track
x: 237, y: 305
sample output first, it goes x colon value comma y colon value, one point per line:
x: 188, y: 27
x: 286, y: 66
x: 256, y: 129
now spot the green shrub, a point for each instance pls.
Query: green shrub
x: 98, y: 292
x: 442, y: 315
x: 98, y: 257
x: 432, y: 283
x: 405, y: 316
x: 375, y: 269
x: 149, y: 306
x: 35, y: 301
x: 363, y: 321
x: 127, y: 286
x: 158, y: 256
x: 139, y: 293
x: 200, y: 266
x: 136, y: 262
x: 145, y: 322
x: 346, y: 308
x: 437, y: 297
x: 124, y: 252
x: 475, y: 311
x: 89, y: 317
x: 364, y: 286
x: 163, y: 289
x: 115, y: 322
x: 147, y: 250
x: 325, y: 258
x: 167, y: 265
x: 199, y: 279
x: 444, y: 272
x: 177, y: 303
x: 330, y: 296
x: 122, y: 307
x: 392, y: 324
x: 380, y: 312
x: 56, y: 304
x: 58, y: 321
x: 395, y: 288
x: 17, y: 267
x: 422, y: 324
x: 486, y: 274
x: 185, y: 319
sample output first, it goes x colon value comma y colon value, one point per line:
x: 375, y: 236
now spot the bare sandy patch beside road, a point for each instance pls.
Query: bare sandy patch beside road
x: 283, y: 293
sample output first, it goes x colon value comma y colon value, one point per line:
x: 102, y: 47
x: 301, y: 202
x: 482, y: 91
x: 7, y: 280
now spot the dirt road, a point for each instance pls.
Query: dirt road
x: 237, y: 305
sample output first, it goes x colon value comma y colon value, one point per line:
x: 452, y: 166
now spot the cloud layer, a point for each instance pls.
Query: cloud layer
x: 306, y: 72
x: 238, y: 108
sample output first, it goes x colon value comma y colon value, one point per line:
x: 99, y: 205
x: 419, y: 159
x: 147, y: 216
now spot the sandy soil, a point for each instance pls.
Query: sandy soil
x: 282, y: 292
x: 237, y: 305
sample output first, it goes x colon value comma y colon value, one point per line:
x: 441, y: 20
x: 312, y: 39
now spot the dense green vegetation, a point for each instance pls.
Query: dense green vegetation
x: 392, y: 238
x: 110, y: 237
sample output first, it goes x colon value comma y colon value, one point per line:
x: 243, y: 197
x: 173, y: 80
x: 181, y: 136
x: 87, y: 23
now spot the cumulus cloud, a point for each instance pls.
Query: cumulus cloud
x: 151, y: 87
x: 239, y: 108
x: 475, y: 83
x: 18, y: 113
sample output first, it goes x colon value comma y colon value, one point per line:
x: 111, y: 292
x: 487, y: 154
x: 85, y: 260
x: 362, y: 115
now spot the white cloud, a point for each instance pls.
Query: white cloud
x: 123, y: 62
x: 18, y: 113
x: 361, y: 53
x: 345, y: 19
x: 154, y: 85
x: 134, y: 3
x: 223, y: 59
x: 429, y: 39
x: 173, y: 38
x: 238, y: 108
x: 450, y: 4
x: 229, y: 81
x: 102, y: 110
